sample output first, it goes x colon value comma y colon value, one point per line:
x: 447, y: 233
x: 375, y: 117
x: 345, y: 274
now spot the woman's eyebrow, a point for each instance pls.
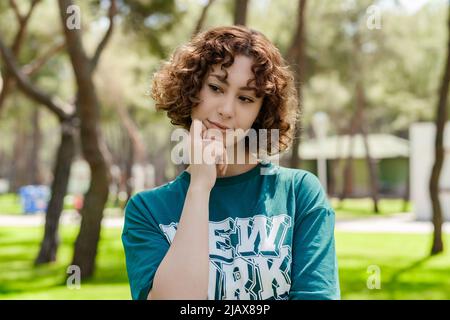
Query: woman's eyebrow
x: 246, y: 88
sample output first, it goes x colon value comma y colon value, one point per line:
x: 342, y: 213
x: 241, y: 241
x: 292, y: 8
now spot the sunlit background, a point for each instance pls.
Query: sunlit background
x: 371, y: 78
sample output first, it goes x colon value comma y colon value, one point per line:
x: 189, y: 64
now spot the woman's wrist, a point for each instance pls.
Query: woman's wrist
x: 198, y: 187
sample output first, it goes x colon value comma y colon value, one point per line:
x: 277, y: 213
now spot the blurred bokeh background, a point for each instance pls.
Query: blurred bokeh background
x: 79, y: 133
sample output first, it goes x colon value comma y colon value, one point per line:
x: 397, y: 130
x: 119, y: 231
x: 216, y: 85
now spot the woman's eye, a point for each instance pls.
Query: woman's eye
x: 245, y: 99
x: 214, y: 88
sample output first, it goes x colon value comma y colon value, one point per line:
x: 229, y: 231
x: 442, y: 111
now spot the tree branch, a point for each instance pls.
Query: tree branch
x: 111, y: 13
x: 53, y: 104
x: 135, y: 136
x: 8, y: 82
x: 202, y: 18
x: 13, y: 5
x: 23, y: 21
x: 36, y: 64
x: 293, y: 53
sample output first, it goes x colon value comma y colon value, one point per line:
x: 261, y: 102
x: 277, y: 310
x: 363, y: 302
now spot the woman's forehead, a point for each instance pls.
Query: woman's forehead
x: 240, y: 69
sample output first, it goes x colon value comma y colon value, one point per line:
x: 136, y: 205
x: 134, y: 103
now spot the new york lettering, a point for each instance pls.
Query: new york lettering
x: 248, y: 260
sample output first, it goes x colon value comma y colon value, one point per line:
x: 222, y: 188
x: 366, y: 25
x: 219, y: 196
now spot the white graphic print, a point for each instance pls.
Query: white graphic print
x: 248, y: 260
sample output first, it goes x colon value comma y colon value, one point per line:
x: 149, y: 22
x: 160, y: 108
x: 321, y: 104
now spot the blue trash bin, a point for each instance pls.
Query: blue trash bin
x: 34, y: 198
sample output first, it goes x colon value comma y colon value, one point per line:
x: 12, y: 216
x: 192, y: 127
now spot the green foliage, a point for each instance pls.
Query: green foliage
x: 149, y: 19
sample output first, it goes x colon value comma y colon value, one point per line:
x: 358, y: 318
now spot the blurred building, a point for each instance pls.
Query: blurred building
x: 390, y: 153
x: 422, y: 137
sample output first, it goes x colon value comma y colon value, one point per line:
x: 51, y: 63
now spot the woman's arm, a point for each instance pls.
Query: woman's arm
x: 184, y: 271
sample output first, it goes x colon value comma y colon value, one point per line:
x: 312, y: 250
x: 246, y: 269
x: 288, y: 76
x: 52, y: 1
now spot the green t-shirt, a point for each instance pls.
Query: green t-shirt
x: 271, y: 235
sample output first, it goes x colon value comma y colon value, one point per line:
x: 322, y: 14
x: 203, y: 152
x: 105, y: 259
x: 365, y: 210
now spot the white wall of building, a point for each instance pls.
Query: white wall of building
x: 422, y: 137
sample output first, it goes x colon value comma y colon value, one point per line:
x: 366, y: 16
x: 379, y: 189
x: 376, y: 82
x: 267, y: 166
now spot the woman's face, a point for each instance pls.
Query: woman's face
x: 230, y: 104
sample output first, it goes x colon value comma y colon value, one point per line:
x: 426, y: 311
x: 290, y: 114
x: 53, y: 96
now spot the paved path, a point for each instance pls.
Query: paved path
x: 400, y: 223
x: 67, y: 218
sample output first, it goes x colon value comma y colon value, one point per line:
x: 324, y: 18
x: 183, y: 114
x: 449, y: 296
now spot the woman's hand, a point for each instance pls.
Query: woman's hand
x: 207, y: 155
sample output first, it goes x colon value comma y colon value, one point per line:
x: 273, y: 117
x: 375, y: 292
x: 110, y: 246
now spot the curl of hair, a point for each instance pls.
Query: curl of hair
x: 177, y: 83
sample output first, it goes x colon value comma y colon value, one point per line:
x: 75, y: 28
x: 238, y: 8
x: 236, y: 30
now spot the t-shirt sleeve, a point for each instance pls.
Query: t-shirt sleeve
x: 145, y: 247
x: 314, y: 268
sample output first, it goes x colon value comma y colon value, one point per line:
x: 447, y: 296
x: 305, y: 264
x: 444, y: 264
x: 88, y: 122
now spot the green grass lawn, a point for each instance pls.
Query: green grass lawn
x: 20, y: 280
x: 406, y: 271
x: 10, y: 204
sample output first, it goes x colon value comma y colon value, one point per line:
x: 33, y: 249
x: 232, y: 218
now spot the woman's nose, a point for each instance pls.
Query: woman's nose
x: 226, y: 108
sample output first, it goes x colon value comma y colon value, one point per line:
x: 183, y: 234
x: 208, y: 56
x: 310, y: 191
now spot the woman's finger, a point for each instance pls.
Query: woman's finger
x: 225, y: 155
x: 204, y: 130
x: 214, y: 134
x: 196, y: 128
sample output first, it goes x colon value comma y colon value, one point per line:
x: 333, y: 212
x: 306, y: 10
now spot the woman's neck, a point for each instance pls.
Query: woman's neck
x: 235, y: 168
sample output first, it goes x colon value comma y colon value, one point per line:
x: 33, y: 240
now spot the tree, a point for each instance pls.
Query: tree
x: 296, y: 56
x: 65, y: 153
x: 66, y: 116
x: 360, y: 106
x: 17, y: 44
x: 439, y: 152
x: 240, y: 12
x: 92, y: 144
x: 26, y: 168
x: 201, y: 19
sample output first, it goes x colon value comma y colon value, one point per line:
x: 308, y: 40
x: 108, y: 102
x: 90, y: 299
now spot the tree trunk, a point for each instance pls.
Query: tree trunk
x: 439, y: 153
x: 92, y: 214
x: 18, y: 177
x: 240, y: 12
x: 347, y: 187
x: 372, y: 168
x: 332, y: 177
x: 130, y: 161
x: 202, y: 18
x: 406, y: 195
x: 137, y: 149
x: 95, y: 198
x: 34, y: 168
x: 296, y: 57
x: 160, y: 163
x: 92, y: 145
x: 371, y: 165
x: 7, y: 83
x: 347, y: 184
x: 61, y: 174
x: 361, y: 103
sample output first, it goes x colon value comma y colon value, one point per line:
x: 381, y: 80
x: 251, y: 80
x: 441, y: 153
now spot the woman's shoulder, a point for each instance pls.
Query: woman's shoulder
x: 160, y: 198
x: 309, y: 192
x: 299, y: 177
x: 164, y: 190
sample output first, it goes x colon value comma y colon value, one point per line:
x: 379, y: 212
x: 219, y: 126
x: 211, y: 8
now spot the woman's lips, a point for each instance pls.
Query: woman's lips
x: 216, y: 125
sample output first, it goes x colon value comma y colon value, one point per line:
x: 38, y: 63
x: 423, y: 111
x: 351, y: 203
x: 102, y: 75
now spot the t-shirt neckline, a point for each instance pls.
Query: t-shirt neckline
x: 226, y: 181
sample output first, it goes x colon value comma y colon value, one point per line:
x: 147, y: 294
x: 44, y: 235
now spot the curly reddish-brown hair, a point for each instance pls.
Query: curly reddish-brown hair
x: 177, y: 84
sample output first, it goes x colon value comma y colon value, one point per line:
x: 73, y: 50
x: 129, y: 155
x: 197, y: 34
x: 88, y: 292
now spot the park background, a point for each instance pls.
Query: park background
x: 75, y: 109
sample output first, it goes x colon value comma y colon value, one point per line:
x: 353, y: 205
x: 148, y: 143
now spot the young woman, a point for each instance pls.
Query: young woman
x: 231, y: 227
